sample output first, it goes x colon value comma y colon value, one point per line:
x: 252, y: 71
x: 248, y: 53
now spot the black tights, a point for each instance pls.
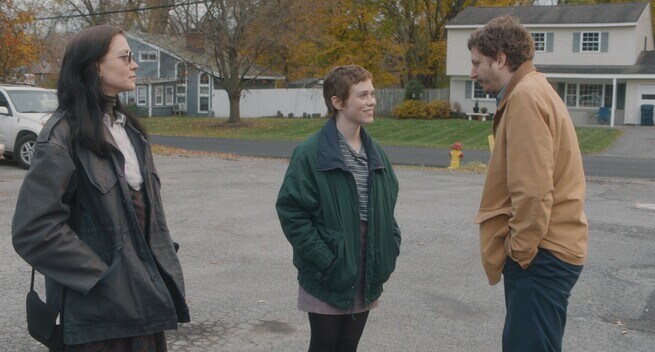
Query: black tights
x: 336, y: 333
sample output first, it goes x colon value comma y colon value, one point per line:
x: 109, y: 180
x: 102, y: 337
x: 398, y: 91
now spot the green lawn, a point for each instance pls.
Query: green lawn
x: 388, y: 131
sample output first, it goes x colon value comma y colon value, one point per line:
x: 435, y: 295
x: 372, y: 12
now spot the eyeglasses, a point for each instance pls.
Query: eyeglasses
x: 128, y: 58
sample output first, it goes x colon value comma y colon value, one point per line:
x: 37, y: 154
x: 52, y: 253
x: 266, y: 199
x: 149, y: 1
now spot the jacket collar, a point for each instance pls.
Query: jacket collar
x: 521, y: 72
x: 329, y: 151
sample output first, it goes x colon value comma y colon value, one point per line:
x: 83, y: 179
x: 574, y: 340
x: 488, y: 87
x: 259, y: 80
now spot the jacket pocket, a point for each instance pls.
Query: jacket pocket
x: 494, y: 228
x: 100, y: 172
x: 126, y: 295
x: 342, y: 272
x: 105, y: 241
x: 108, y: 303
x: 386, y: 253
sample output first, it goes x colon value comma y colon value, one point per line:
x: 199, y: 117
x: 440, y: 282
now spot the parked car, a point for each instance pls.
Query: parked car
x: 23, y: 112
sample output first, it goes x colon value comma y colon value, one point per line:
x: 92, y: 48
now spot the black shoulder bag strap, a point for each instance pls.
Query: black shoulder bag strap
x: 42, y: 317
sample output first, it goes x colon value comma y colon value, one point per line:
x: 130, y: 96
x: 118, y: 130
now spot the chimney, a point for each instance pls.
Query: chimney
x: 195, y: 41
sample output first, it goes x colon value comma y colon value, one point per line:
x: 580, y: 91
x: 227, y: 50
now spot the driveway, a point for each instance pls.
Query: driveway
x: 634, y: 142
x: 241, y: 285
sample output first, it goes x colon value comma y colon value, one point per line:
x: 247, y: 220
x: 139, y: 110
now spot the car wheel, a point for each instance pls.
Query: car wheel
x: 25, y: 150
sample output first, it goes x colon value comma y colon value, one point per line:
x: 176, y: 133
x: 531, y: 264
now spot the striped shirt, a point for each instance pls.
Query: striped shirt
x: 357, y: 164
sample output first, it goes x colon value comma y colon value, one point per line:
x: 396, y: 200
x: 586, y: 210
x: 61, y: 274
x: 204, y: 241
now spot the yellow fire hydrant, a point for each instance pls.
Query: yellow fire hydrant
x: 456, y: 155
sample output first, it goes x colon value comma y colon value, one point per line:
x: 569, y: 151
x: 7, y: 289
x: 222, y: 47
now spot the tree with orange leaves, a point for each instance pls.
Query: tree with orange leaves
x: 18, y: 47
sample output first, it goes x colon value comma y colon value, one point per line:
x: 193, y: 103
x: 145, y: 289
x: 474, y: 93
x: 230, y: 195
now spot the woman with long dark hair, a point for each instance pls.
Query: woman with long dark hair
x: 89, y: 214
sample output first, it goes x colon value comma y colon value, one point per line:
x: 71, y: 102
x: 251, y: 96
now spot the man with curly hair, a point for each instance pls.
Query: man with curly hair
x: 533, y: 229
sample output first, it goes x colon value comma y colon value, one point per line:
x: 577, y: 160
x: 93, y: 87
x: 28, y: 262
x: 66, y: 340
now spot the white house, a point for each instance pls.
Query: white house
x: 599, y: 58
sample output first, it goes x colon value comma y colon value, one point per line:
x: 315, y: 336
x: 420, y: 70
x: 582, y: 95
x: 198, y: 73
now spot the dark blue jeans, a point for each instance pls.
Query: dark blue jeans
x: 536, y: 300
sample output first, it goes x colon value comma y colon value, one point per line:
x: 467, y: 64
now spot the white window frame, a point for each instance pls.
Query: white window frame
x: 159, y: 95
x: 131, y: 97
x: 541, y: 45
x: 148, y: 56
x: 141, y: 93
x: 573, y: 94
x: 476, y: 88
x: 128, y: 98
x: 169, y: 96
x: 180, y: 86
x: 588, y: 42
x: 201, y: 95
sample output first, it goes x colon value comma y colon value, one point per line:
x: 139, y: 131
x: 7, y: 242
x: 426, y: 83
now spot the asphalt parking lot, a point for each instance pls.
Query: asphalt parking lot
x: 241, y: 284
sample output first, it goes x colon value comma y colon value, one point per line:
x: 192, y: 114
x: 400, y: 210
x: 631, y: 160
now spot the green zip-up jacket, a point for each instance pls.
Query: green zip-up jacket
x: 319, y: 213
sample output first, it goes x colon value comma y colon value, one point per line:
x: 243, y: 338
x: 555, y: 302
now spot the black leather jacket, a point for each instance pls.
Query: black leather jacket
x: 75, y: 223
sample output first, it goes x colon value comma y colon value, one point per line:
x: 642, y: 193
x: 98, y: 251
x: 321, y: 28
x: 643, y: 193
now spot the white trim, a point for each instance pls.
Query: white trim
x: 545, y: 42
x: 206, y: 95
x: 148, y: 53
x: 582, y: 42
x: 160, y: 95
x: 578, y: 95
x: 172, y: 96
x: 601, y: 76
x: 486, y: 96
x: 551, y: 25
x: 137, y: 95
x: 613, y: 108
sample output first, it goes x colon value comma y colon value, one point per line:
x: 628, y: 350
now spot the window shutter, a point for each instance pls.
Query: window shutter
x: 549, y: 42
x: 561, y: 89
x: 576, y: 42
x: 604, y: 41
x: 620, y: 96
x: 469, y: 89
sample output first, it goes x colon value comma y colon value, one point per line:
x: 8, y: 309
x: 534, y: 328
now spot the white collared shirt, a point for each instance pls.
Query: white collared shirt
x: 132, y: 169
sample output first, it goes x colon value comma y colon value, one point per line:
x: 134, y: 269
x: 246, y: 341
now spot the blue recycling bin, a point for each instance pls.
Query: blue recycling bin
x: 647, y: 115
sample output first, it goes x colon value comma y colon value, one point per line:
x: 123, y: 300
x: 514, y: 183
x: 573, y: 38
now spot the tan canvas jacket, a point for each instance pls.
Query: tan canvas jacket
x: 534, y: 192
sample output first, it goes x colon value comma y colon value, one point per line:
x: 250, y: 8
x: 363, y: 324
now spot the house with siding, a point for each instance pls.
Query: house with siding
x: 177, y: 75
x: 599, y: 58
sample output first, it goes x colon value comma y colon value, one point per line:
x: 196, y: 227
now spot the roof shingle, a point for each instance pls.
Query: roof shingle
x: 554, y: 15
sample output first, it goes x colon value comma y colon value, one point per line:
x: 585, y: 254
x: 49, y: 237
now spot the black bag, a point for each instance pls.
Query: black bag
x: 42, y: 321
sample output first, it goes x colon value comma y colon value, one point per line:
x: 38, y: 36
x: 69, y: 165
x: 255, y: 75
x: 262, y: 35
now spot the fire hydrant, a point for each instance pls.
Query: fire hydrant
x: 456, y: 155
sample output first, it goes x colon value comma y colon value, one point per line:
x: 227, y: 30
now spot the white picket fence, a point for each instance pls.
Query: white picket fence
x: 301, y: 102
x: 272, y: 102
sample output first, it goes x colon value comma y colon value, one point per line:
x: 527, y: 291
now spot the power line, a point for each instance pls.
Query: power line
x: 118, y: 11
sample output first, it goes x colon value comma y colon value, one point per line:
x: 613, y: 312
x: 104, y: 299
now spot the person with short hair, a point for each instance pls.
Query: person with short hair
x: 89, y: 214
x: 533, y: 229
x: 336, y: 207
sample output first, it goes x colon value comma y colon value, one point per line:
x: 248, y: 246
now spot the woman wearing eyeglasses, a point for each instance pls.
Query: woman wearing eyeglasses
x: 89, y: 215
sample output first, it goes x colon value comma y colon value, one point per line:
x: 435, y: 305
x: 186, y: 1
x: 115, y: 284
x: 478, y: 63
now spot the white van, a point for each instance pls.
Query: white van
x: 23, y: 112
